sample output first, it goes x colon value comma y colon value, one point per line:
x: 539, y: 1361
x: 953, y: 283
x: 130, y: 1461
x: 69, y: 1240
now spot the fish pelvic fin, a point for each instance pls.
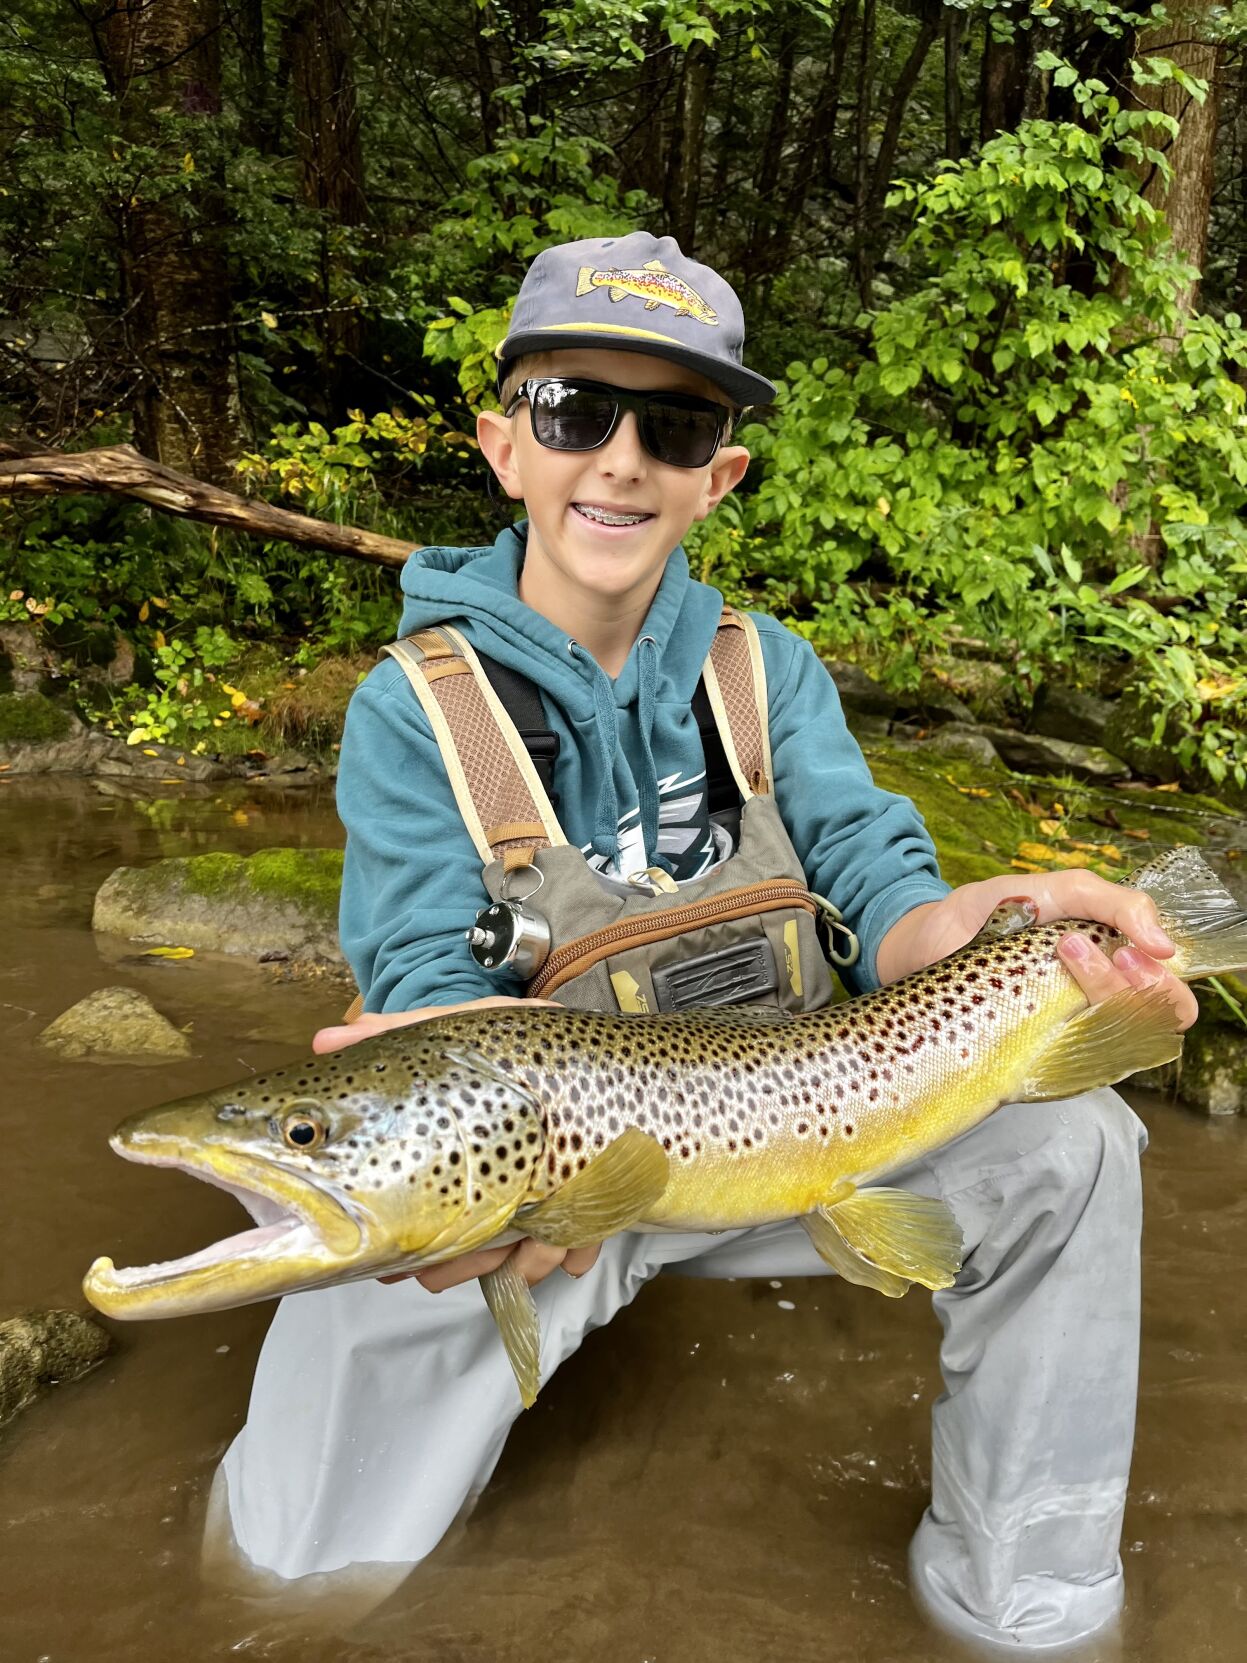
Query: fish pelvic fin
x: 510, y: 1301
x: 1098, y: 1046
x: 617, y: 1188
x: 584, y: 280
x: 1197, y: 912
x: 887, y: 1239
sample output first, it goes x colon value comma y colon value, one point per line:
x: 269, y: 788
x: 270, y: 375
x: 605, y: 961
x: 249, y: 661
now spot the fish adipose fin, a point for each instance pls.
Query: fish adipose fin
x: 510, y: 1301
x: 1133, y: 1029
x: 1197, y: 912
x: 887, y: 1239
x: 618, y: 1187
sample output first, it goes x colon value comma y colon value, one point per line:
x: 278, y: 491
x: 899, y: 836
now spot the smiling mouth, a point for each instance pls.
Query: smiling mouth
x: 301, y: 1236
x: 606, y: 516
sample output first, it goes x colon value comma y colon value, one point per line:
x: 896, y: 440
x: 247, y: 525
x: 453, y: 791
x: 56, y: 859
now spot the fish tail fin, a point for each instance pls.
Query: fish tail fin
x: 1197, y: 912
x: 584, y: 281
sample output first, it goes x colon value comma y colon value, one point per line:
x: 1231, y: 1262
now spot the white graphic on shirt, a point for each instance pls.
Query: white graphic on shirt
x: 685, y: 833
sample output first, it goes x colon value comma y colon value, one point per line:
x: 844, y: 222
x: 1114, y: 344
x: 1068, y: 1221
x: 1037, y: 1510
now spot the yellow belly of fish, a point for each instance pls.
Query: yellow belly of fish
x: 720, y: 1189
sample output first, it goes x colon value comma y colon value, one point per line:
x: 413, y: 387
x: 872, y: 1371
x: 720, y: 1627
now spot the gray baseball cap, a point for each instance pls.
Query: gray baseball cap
x: 635, y: 294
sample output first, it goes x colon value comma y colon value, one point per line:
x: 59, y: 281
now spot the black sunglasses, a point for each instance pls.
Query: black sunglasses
x: 677, y: 428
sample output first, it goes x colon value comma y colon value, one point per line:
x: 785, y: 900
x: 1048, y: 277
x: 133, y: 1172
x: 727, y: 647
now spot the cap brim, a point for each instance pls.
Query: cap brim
x: 742, y: 386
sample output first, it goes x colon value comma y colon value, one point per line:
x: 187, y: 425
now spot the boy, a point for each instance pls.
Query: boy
x: 378, y: 1411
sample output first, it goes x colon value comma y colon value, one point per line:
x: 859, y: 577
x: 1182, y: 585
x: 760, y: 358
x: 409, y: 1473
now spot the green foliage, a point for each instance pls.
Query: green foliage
x: 1037, y: 449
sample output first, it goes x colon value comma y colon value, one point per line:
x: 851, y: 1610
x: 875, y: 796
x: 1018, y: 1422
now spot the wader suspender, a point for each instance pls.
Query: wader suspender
x: 497, y: 788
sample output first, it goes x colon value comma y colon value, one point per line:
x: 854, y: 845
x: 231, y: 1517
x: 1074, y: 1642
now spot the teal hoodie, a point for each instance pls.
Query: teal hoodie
x: 629, y: 777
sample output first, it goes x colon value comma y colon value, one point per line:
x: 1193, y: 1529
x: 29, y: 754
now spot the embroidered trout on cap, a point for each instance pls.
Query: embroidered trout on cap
x: 653, y: 284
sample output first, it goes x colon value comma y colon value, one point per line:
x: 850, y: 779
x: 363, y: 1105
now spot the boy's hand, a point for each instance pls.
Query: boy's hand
x: 534, y: 1260
x: 932, y: 931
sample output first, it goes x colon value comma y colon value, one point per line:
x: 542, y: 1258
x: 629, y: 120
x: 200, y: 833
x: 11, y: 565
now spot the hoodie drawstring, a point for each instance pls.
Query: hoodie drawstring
x: 647, y: 787
x: 606, y: 727
x: 605, y: 839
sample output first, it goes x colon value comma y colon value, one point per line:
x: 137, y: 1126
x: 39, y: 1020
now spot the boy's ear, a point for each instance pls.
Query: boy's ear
x: 493, y: 434
x: 725, y: 474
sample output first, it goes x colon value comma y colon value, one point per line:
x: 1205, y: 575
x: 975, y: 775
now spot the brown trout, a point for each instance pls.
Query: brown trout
x: 432, y: 1140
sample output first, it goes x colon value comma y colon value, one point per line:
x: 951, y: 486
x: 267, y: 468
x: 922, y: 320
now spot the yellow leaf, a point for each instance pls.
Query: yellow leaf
x: 163, y: 605
x: 144, y: 612
x: 269, y: 320
x: 147, y: 751
x: 160, y: 638
x: 1140, y: 833
x: 16, y: 594
x: 884, y: 506
x: 974, y: 791
x: 1052, y: 828
x: 188, y: 163
x: 181, y: 762
x: 169, y: 953
x: 1025, y: 866
x: 1173, y: 786
x: 1034, y: 851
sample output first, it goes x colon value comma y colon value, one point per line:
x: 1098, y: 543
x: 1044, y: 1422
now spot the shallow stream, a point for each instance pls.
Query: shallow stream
x: 730, y: 1472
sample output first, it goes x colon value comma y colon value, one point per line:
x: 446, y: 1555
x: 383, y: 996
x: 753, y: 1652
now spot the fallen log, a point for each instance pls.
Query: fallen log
x: 120, y: 470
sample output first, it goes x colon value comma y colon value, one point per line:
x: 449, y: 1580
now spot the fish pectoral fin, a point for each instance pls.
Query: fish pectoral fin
x: 510, y: 1301
x: 1098, y: 1046
x: 652, y: 305
x: 616, y: 293
x: 888, y: 1239
x: 617, y: 1187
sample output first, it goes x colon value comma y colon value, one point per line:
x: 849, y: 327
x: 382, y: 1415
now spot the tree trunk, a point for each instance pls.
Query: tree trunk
x: 768, y: 211
x: 822, y: 126
x: 952, y: 83
x: 928, y: 28
x: 1186, y: 200
x: 331, y: 168
x: 162, y: 58
x: 863, y: 249
x: 1002, y: 86
x: 683, y: 187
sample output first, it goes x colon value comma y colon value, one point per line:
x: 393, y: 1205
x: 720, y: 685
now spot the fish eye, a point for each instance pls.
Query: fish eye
x: 301, y: 1131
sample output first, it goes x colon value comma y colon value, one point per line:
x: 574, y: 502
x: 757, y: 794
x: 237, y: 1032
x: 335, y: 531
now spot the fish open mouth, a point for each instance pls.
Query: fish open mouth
x: 300, y: 1236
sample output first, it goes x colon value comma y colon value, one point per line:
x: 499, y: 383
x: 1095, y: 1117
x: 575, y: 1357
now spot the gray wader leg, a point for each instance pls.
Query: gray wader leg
x: 377, y: 1412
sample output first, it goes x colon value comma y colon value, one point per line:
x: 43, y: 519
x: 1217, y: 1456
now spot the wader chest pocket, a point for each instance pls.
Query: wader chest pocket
x: 728, y: 977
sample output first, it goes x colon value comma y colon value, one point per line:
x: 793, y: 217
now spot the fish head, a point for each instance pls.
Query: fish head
x: 396, y: 1153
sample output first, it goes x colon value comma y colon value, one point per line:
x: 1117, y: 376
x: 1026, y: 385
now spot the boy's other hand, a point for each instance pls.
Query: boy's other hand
x: 932, y: 931
x: 372, y: 1023
x: 533, y: 1259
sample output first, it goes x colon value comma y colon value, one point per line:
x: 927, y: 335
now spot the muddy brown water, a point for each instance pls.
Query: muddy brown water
x: 729, y: 1472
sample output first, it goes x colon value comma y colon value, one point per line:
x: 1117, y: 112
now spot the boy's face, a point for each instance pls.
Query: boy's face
x: 570, y: 554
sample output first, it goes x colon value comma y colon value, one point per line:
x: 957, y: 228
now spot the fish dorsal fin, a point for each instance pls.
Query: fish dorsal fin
x: 510, y: 1301
x: 1098, y: 1046
x: 887, y: 1239
x: 618, y: 1187
x: 653, y: 265
x: 1019, y: 912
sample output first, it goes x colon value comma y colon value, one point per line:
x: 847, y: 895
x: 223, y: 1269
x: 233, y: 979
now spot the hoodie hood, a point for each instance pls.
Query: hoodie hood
x: 625, y: 733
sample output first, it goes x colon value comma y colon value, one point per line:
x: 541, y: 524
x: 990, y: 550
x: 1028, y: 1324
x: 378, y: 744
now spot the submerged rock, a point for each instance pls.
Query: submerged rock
x: 45, y: 1348
x: 114, y: 1022
x: 277, y: 900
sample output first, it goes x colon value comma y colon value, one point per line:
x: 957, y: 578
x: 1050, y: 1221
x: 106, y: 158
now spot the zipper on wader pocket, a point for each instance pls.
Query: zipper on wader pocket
x: 586, y: 950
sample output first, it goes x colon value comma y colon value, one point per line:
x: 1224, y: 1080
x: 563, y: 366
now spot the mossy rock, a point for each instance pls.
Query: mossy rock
x: 30, y: 719
x: 114, y: 1022
x: 277, y: 901
x: 45, y: 1348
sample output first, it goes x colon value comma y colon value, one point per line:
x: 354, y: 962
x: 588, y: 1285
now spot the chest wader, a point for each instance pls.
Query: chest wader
x: 749, y: 931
